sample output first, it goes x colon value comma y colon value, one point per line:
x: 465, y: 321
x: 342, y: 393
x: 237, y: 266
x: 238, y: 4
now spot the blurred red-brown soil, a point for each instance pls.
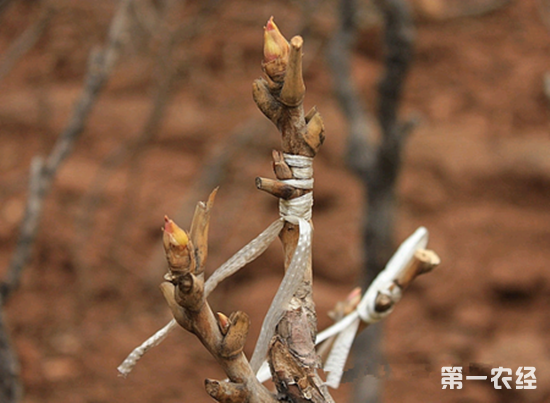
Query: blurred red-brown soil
x: 476, y: 174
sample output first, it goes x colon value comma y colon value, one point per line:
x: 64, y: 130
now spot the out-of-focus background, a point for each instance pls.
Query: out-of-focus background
x: 177, y: 118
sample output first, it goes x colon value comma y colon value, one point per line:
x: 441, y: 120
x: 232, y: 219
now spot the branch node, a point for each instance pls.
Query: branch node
x: 168, y: 291
x: 223, y: 322
x: 315, y: 134
x: 233, y: 341
x: 280, y: 167
x: 226, y: 392
x: 265, y: 100
x: 189, y: 292
x: 383, y: 303
x: 278, y: 189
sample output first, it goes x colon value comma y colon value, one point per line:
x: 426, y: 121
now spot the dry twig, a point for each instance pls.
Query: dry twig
x: 43, y: 171
x: 100, y: 66
x: 10, y: 389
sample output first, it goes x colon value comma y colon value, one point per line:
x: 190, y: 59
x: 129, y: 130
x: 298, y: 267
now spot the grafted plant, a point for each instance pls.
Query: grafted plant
x: 286, y: 346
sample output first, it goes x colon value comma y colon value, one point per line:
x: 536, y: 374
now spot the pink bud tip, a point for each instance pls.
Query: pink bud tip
x: 275, y: 44
x: 176, y: 234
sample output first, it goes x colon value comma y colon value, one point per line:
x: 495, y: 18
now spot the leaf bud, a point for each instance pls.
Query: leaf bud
x: 276, y: 50
x: 174, y: 235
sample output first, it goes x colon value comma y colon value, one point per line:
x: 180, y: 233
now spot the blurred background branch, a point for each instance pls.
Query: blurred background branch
x: 42, y: 176
x: 169, y: 73
x: 376, y: 162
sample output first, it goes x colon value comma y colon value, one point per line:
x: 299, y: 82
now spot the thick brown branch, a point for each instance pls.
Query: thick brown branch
x: 292, y: 355
x: 292, y: 377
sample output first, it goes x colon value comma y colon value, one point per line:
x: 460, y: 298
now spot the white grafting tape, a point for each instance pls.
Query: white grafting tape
x: 130, y: 362
x: 384, y: 283
x: 338, y: 355
x: 245, y: 255
x: 296, y: 211
x: 347, y: 326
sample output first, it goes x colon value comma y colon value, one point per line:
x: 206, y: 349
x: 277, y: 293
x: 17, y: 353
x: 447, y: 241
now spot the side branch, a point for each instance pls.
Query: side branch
x: 224, y: 337
x: 99, y: 68
x: 294, y: 89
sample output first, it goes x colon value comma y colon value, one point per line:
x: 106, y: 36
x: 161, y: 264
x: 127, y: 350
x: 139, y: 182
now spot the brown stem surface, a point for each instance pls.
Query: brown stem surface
x: 224, y: 337
x: 292, y: 356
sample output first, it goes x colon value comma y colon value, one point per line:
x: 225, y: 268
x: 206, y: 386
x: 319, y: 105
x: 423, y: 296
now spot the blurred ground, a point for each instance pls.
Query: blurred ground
x: 477, y: 175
